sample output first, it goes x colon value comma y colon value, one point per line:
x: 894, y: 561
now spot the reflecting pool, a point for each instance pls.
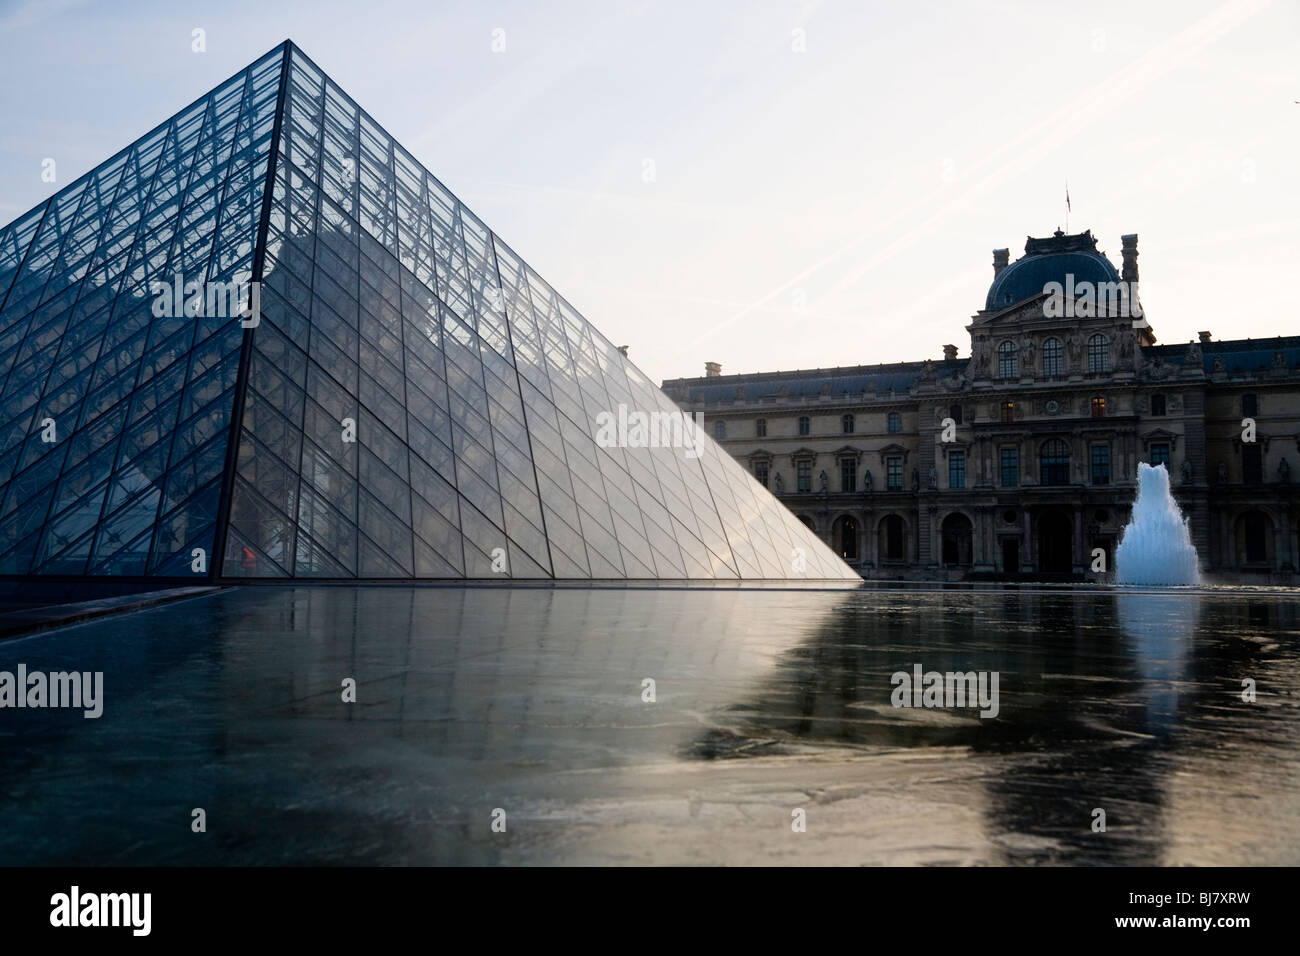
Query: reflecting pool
x: 532, y: 706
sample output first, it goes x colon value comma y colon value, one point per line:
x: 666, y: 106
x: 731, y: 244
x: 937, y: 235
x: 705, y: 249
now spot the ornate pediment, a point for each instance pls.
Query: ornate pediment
x: 891, y: 450
x: 1160, y: 435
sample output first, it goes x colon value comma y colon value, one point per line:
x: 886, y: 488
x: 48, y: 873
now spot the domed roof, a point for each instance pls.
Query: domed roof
x: 1049, y: 260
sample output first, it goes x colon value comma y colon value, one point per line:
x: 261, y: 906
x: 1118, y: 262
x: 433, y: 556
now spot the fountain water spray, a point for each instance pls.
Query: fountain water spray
x: 1156, y: 547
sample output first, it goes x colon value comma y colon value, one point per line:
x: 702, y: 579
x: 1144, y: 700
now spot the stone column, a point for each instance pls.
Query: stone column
x: 1078, y: 540
x: 1028, y: 553
x: 861, y: 519
x: 869, y: 529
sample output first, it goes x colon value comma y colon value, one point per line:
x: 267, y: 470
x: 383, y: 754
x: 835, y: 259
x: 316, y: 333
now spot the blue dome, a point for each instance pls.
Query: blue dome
x: 1049, y: 260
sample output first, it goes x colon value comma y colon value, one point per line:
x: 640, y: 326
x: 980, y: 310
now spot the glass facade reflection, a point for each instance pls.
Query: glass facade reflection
x: 415, y: 402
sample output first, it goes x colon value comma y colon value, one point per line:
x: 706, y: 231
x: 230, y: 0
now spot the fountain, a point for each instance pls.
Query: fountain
x: 1156, y: 547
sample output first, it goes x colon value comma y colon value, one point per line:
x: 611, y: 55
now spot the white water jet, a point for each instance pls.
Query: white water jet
x: 1156, y: 547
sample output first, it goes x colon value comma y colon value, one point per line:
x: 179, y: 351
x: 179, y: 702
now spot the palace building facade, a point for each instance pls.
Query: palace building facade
x: 1021, y: 460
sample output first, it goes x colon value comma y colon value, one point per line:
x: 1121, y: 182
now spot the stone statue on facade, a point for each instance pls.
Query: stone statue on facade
x: 1187, y: 472
x: 932, y: 477
x: 1283, y: 471
x: 1127, y: 344
x: 778, y: 483
x: 866, y: 481
x: 824, y: 482
x: 1074, y: 349
x: 1223, y: 473
x: 916, y: 479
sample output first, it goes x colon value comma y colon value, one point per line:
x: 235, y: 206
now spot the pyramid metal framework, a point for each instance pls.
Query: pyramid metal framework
x: 414, y: 401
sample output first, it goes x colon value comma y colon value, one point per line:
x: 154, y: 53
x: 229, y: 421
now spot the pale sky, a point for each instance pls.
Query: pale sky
x: 766, y: 185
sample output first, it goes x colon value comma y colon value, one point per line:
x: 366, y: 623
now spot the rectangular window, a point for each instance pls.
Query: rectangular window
x: 956, y: 469
x: 1008, y: 411
x: 894, y: 474
x: 1101, y: 464
x: 1252, y: 465
x: 1099, y: 407
x: 1160, y: 455
x: 760, y: 472
x: 804, y: 471
x: 848, y: 474
x: 1010, y: 467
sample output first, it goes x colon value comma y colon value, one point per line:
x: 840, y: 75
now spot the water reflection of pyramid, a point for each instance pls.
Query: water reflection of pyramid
x: 470, y: 388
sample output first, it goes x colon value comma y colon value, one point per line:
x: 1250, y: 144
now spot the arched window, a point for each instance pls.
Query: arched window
x: 803, y: 425
x: 1098, y: 353
x: 1007, y: 360
x: 1052, y: 358
x: 760, y: 428
x: 719, y: 430
x: 846, y: 424
x: 1054, y: 462
x: 1157, y: 405
x: 895, y: 422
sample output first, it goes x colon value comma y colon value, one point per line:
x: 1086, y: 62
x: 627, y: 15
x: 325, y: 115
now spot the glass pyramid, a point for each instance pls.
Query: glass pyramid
x: 410, y: 400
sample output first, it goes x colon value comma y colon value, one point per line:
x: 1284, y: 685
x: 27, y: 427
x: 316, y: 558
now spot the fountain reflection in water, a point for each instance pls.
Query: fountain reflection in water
x: 1157, y: 546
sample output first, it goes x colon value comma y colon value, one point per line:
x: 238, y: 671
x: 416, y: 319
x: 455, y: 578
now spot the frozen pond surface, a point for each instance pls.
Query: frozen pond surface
x: 767, y: 701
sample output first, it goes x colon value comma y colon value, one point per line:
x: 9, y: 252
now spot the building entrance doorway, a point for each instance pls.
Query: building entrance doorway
x: 1011, y: 555
x: 1055, y: 542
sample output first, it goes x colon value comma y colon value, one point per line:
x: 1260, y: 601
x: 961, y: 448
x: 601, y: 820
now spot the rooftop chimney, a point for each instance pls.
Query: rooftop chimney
x: 1130, y: 273
x: 712, y: 369
x: 1205, y: 336
x: 949, y: 353
x: 1000, y: 259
